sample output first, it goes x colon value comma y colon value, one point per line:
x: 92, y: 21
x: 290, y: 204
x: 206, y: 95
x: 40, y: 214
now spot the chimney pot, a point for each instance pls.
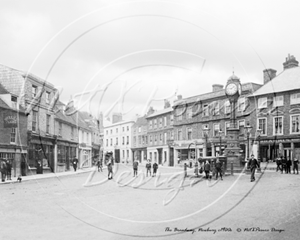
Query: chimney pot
x: 290, y: 62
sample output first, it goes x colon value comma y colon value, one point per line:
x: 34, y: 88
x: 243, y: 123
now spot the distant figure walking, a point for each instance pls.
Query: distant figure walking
x: 283, y: 162
x: 110, y: 171
x: 155, y: 167
x: 99, y: 165
x: 253, y: 164
x: 207, y: 169
x: 288, y: 165
x: 148, y: 167
x: 185, y: 170
x: 219, y: 169
x: 295, y: 167
x: 3, y: 170
x: 75, y: 162
x: 278, y: 162
x: 135, y: 168
x: 8, y: 169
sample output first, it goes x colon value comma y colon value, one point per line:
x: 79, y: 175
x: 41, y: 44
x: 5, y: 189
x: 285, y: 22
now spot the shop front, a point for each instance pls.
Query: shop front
x: 66, y: 152
x: 40, y: 155
x: 270, y: 149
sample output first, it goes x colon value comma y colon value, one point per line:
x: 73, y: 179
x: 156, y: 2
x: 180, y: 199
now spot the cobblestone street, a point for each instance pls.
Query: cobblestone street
x: 165, y: 207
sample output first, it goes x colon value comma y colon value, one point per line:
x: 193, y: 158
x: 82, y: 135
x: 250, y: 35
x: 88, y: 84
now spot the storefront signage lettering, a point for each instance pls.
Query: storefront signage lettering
x: 279, y: 140
x: 10, y: 120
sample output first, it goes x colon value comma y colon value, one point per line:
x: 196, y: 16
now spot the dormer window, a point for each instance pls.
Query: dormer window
x: 14, y: 101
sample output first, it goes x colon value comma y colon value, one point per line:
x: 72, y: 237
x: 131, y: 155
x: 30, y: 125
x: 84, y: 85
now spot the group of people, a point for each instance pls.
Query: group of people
x: 148, y: 168
x: 5, y: 168
x: 208, y: 169
x: 285, y: 164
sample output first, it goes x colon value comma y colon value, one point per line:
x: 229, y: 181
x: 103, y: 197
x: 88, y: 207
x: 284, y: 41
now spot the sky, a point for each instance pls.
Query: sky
x: 124, y: 56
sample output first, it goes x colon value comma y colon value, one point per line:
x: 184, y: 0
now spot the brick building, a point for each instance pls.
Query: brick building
x: 38, y: 98
x: 160, y: 136
x: 13, y: 131
x: 277, y: 118
x: 66, y: 133
x: 201, y: 122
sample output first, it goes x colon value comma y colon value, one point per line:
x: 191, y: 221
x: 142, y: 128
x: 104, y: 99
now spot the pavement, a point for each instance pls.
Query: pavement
x: 85, y: 205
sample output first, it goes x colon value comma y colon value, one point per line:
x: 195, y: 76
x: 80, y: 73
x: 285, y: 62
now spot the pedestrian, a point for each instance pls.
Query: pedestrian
x: 253, y: 164
x: 135, y: 168
x: 99, y: 165
x: 155, y: 167
x: 23, y: 167
x: 185, y: 170
x: 39, y: 167
x: 8, y: 169
x: 148, y: 167
x: 219, y: 168
x: 75, y: 162
x: 196, y: 170
x: 278, y: 162
x: 295, y: 167
x: 283, y: 162
x: 110, y: 171
x: 3, y: 169
x: 207, y: 169
x: 288, y: 165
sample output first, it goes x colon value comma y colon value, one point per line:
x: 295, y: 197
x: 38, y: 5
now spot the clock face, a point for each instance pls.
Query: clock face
x: 231, y: 89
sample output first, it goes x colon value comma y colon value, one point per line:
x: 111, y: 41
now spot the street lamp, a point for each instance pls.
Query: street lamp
x: 248, y: 130
x: 259, y: 131
x: 220, y: 136
x: 205, y: 132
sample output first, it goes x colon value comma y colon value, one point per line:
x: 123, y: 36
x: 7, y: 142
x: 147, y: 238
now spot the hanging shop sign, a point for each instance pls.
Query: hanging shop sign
x: 10, y: 120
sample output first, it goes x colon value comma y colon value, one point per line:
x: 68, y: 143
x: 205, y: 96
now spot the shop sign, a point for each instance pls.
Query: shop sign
x: 279, y: 140
x: 10, y: 120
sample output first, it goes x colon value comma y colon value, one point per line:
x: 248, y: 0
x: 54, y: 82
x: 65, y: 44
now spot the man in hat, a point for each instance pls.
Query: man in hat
x: 295, y: 167
x: 253, y: 164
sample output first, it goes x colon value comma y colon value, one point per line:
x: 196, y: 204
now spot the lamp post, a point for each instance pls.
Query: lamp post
x: 220, y: 136
x: 205, y: 132
x: 258, y: 147
x: 248, y: 130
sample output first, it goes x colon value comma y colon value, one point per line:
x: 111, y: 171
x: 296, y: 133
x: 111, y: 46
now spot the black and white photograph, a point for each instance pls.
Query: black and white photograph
x: 149, y: 119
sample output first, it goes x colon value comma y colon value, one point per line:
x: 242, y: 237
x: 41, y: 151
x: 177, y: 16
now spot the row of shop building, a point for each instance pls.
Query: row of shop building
x: 268, y: 118
x: 36, y: 128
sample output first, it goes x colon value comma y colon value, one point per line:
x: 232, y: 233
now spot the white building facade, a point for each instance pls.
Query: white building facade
x: 118, y: 141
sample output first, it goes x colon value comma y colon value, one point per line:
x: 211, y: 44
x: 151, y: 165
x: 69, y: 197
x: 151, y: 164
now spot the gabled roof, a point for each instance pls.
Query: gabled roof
x: 287, y: 80
x: 160, y: 112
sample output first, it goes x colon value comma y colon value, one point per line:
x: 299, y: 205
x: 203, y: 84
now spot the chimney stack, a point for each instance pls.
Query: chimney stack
x: 167, y: 104
x: 179, y: 97
x: 217, y: 87
x: 290, y: 62
x: 269, y: 74
x: 116, y: 117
